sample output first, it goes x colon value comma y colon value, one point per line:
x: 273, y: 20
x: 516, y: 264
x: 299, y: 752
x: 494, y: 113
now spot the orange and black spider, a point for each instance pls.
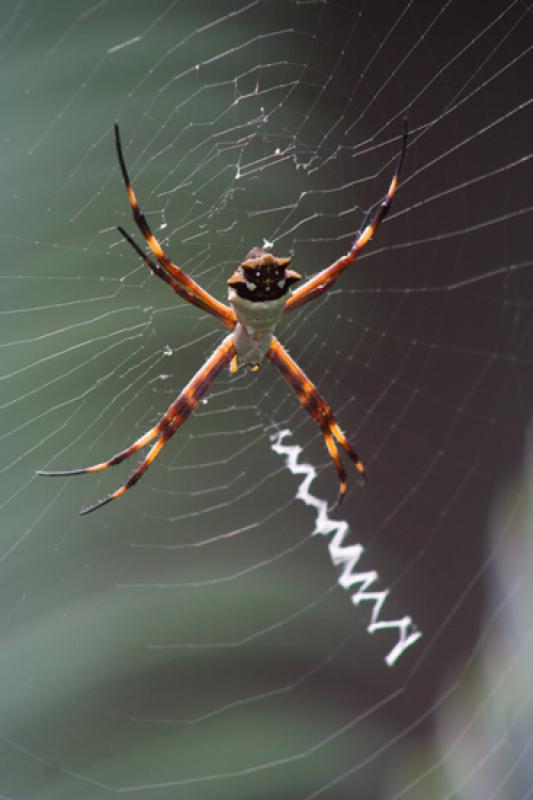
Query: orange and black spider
x: 259, y: 294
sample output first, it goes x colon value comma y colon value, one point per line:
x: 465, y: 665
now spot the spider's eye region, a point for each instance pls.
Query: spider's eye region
x: 251, y: 275
x: 262, y: 276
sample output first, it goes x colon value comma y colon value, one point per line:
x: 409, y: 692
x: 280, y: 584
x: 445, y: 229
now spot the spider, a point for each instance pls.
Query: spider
x: 259, y: 294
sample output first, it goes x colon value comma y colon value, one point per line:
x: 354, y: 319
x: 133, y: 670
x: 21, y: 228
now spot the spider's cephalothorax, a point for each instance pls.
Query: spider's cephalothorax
x: 259, y: 293
x: 263, y: 276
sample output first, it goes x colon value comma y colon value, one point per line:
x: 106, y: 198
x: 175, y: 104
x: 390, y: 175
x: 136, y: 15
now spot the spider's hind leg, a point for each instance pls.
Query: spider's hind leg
x: 177, y: 413
x: 145, y: 439
x: 319, y: 410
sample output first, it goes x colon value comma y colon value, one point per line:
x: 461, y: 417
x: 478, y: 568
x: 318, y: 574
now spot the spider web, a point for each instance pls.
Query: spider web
x: 218, y: 632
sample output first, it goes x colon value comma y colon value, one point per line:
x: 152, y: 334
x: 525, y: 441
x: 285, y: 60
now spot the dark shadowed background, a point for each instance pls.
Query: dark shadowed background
x: 191, y: 639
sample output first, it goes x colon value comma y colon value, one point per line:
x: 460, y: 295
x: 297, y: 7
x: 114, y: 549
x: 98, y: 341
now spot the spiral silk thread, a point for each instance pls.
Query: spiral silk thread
x: 346, y: 556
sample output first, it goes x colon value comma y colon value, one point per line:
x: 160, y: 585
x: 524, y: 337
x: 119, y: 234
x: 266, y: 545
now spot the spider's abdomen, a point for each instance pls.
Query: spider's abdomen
x: 256, y: 323
x: 257, y: 316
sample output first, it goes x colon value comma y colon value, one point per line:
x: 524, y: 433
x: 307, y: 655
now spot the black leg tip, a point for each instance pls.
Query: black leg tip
x: 338, y: 501
x: 101, y: 503
x: 64, y: 473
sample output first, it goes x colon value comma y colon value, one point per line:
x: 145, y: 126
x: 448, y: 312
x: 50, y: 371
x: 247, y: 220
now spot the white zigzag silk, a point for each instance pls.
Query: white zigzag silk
x: 346, y: 556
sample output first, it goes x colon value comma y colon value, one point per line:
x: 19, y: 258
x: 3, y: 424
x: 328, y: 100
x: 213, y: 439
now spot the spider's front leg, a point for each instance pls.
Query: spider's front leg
x: 176, y: 414
x: 318, y: 409
x: 325, y: 279
x: 182, y: 283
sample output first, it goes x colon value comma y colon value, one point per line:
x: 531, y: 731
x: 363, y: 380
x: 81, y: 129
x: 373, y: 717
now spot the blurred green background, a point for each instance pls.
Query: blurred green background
x: 190, y: 640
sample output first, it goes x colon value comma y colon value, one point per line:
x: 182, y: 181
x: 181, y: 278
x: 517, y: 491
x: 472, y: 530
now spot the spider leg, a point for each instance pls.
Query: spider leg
x: 160, y: 272
x: 221, y: 311
x: 326, y: 278
x: 176, y: 414
x: 334, y: 453
x: 318, y: 409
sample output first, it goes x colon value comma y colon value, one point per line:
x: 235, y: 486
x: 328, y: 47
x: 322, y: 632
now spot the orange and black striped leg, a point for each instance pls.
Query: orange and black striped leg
x: 311, y: 295
x: 160, y: 272
x: 174, y: 417
x: 319, y: 410
x: 327, y: 277
x: 221, y: 311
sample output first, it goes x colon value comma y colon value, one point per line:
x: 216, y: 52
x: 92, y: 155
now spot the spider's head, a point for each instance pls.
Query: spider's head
x: 263, y: 276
